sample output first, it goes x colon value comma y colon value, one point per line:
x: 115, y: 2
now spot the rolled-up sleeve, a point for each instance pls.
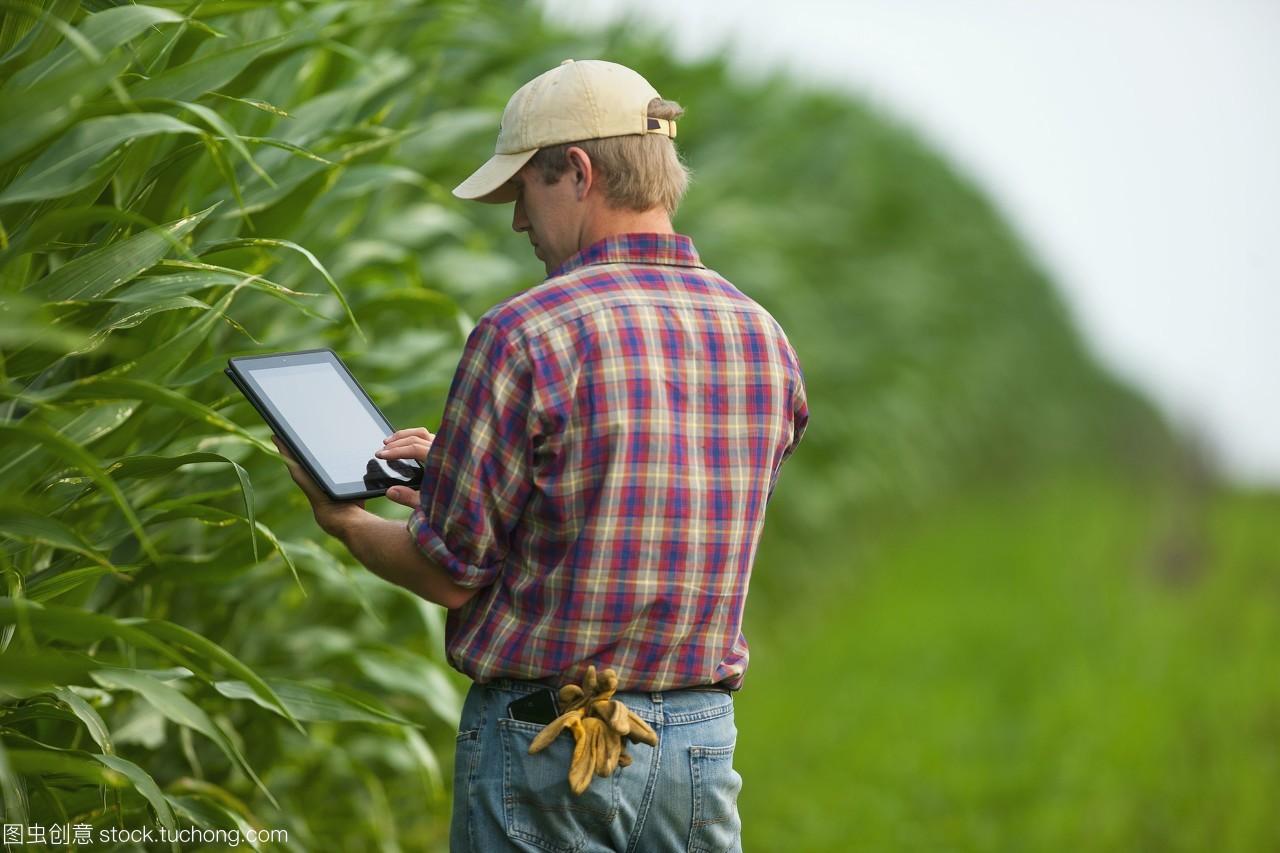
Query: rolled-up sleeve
x: 476, y: 481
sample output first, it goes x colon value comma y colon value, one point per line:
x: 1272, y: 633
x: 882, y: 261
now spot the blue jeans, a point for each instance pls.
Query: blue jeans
x: 681, y: 795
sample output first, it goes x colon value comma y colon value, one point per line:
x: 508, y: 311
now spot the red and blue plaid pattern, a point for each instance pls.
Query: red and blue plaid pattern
x: 601, y: 471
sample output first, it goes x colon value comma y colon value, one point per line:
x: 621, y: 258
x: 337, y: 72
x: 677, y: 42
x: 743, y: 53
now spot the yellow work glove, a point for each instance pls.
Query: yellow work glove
x: 598, y: 723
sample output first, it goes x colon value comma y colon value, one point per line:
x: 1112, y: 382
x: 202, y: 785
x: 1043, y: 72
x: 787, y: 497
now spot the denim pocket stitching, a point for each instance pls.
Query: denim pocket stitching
x: 466, y: 755
x: 702, y: 824
x: 705, y: 715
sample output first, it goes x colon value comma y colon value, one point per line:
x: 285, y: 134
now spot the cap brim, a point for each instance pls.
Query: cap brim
x: 489, y: 184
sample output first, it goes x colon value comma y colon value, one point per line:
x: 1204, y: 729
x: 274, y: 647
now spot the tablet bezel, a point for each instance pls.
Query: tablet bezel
x: 240, y: 371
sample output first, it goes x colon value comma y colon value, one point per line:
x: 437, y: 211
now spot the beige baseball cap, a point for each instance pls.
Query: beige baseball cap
x: 590, y: 99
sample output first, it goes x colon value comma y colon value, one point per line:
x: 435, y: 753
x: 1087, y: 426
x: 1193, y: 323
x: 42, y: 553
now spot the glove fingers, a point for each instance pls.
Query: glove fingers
x: 610, y: 751
x: 599, y: 750
x: 606, y: 684
x: 614, y: 713
x: 583, y: 763
x: 571, y: 694
x: 640, y: 731
x: 602, y: 749
x: 552, y: 730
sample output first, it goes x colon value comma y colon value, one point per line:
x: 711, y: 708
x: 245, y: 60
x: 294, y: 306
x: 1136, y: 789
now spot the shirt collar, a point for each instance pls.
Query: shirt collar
x: 638, y: 249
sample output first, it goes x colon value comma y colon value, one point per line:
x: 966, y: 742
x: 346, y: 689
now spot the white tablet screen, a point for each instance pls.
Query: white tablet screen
x: 328, y: 417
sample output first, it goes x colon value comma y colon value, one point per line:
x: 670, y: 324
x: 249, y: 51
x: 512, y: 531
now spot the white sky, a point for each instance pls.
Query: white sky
x: 1135, y: 144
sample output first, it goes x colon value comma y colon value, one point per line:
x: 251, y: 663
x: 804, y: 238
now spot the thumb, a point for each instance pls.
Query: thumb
x: 404, y: 496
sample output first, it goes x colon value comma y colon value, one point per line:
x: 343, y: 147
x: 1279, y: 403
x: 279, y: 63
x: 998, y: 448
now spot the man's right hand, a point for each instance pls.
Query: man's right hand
x: 412, y: 443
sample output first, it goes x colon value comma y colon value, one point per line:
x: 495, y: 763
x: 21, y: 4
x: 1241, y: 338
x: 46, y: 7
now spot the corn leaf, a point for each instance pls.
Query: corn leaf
x: 27, y: 31
x: 83, y: 155
x: 23, y: 525
x: 12, y: 792
x: 99, y: 34
x: 311, y: 259
x: 59, y: 764
x: 311, y: 702
x: 192, y: 79
x: 262, y: 691
x: 27, y: 671
x: 97, y: 273
x: 63, y: 582
x: 178, y: 709
x: 88, y: 715
x: 49, y: 106
x: 75, y: 454
x: 145, y: 785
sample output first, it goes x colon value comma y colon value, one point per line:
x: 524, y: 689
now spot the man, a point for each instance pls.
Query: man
x: 596, y: 492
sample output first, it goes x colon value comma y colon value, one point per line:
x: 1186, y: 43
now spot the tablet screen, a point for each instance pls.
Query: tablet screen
x: 327, y: 418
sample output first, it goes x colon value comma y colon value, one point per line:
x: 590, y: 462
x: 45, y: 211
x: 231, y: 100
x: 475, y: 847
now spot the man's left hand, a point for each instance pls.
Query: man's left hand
x: 331, y: 515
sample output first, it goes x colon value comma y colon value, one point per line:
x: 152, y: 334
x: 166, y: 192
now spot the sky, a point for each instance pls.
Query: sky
x: 1134, y: 145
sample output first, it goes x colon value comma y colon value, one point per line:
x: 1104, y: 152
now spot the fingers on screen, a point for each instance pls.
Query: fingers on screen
x: 407, y: 444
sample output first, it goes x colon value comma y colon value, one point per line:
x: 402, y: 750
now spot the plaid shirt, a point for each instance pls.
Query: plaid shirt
x: 601, y: 471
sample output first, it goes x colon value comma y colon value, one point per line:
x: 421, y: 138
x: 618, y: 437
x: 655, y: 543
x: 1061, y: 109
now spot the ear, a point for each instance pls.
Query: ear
x: 581, y: 170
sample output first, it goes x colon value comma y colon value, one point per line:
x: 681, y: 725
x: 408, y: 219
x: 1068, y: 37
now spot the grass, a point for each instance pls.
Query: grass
x: 1032, y: 671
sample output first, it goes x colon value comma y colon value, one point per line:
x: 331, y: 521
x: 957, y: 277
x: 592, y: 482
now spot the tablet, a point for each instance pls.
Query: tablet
x: 321, y: 413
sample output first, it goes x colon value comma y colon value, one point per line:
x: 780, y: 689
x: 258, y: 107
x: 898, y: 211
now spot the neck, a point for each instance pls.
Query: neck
x: 610, y: 222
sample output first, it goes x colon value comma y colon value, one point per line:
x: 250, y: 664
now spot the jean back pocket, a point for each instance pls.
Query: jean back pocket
x: 538, y: 804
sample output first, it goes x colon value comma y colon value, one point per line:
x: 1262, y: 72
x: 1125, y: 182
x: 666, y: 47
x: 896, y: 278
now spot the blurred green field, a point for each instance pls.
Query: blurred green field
x: 1072, y: 666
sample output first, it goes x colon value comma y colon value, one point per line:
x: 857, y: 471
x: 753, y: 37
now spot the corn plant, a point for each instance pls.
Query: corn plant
x: 179, y: 647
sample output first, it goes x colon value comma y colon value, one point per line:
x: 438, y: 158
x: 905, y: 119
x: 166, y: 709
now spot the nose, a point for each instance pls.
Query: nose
x: 519, y: 222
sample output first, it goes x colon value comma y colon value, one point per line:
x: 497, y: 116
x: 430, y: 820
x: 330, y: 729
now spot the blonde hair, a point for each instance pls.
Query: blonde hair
x: 637, y: 172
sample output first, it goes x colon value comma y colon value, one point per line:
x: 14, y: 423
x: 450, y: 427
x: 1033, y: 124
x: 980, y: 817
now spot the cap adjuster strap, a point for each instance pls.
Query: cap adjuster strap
x: 666, y: 127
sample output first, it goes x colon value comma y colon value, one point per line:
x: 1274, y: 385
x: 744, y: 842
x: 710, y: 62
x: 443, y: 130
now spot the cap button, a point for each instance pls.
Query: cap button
x: 567, y: 62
